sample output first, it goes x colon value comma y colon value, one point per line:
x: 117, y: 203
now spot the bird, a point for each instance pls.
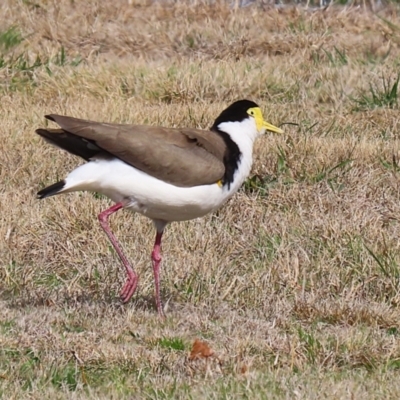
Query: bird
x: 165, y: 174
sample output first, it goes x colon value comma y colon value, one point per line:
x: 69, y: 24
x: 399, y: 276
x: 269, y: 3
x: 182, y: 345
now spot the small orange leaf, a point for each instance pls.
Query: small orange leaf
x: 200, y: 350
x: 48, y: 303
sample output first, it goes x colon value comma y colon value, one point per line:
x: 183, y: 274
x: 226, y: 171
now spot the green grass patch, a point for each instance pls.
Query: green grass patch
x: 173, y: 343
x: 9, y: 39
x: 378, y: 96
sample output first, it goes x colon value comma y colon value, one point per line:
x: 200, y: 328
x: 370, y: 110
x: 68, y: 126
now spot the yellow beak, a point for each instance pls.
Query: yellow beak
x: 272, y: 128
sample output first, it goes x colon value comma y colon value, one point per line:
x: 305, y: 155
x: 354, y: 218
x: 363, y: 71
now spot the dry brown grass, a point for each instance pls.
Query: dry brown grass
x: 294, y: 284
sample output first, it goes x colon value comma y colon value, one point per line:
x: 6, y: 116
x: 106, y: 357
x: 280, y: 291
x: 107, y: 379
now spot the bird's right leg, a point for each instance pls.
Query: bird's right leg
x: 132, y: 278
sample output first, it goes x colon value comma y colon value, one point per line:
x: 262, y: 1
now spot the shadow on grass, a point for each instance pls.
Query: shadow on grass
x: 25, y: 298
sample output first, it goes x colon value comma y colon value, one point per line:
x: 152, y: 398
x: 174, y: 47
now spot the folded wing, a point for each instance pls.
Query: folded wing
x: 182, y: 157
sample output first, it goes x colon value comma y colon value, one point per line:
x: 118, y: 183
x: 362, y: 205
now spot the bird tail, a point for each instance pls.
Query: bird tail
x: 51, y: 190
x: 72, y: 143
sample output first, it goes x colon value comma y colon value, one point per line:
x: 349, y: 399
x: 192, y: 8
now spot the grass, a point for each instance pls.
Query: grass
x: 294, y: 283
x: 379, y: 97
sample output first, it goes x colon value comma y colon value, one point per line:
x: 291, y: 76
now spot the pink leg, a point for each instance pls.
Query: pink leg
x: 132, y: 281
x: 156, y: 259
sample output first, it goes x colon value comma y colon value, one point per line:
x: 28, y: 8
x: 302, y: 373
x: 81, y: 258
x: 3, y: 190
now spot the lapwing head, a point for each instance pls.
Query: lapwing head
x: 245, y: 115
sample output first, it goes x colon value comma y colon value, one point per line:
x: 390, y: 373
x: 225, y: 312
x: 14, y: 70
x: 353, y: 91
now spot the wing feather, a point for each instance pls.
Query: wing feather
x: 183, y: 157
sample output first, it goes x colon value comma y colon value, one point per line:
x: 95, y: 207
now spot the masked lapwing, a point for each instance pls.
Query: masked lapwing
x: 166, y: 174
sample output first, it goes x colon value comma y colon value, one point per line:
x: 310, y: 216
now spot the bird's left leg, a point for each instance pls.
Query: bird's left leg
x: 132, y: 278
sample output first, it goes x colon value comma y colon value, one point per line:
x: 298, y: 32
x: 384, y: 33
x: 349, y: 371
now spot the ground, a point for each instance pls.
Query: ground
x: 293, y: 285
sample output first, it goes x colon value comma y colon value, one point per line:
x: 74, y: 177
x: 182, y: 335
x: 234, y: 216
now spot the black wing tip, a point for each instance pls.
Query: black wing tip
x: 51, y: 190
x: 50, y: 117
x: 42, y: 132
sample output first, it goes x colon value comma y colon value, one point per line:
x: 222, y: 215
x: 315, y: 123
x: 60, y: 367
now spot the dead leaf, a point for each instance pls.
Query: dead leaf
x: 244, y: 368
x: 200, y: 350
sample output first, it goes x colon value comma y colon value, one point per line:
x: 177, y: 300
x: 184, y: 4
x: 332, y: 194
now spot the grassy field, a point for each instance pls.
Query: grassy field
x: 294, y: 284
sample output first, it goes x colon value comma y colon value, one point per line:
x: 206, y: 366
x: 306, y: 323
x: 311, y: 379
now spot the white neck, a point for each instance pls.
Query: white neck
x: 244, y: 135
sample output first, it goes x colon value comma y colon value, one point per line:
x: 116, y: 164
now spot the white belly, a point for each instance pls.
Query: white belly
x: 149, y: 196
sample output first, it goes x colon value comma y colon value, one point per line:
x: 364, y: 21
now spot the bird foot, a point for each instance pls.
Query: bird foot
x: 160, y: 310
x: 128, y: 289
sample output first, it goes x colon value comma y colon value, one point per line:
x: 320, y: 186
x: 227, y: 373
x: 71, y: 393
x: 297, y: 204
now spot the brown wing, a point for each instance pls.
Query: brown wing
x: 183, y: 157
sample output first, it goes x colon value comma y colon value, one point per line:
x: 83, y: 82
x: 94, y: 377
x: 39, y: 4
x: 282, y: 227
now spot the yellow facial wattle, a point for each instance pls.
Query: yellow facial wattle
x: 256, y: 113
